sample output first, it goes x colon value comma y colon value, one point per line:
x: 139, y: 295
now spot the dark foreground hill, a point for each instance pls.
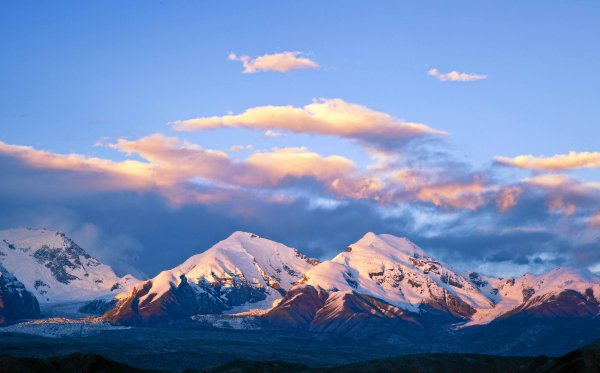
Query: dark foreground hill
x: 71, y: 363
x: 583, y: 360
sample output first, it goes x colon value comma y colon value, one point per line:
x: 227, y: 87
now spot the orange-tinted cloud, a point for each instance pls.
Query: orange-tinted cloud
x: 456, y: 196
x: 126, y: 174
x: 560, y: 162
x: 563, y: 192
x: 333, y: 117
x: 443, y: 193
x: 278, y: 62
x: 170, y: 164
x: 508, y: 197
x: 595, y: 220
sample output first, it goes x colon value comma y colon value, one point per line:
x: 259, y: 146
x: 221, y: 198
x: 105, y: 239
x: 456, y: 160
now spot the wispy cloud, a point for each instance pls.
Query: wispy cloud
x: 455, y: 76
x: 595, y: 221
x: 333, y: 117
x: 278, y: 62
x: 237, y: 148
x: 560, y: 162
x: 272, y: 133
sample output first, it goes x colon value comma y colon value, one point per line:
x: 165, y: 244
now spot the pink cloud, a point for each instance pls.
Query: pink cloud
x: 279, y: 62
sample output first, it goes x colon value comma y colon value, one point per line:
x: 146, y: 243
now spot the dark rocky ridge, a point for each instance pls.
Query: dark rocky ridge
x: 180, y: 302
x: 58, y: 259
x: 15, y: 301
x: 308, y: 308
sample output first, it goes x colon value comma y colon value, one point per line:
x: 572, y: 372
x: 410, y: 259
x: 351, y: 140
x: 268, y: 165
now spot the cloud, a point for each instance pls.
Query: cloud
x: 435, y: 186
x: 332, y: 117
x: 273, y: 134
x: 565, y: 195
x: 127, y: 174
x: 595, y: 220
x: 279, y: 62
x: 455, y: 76
x: 237, y: 148
x: 170, y: 165
x: 508, y: 197
x: 560, y: 162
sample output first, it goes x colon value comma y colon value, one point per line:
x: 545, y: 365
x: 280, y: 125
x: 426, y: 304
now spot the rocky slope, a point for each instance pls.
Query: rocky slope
x: 241, y: 271
x: 15, y: 301
x: 56, y: 269
x: 562, y: 292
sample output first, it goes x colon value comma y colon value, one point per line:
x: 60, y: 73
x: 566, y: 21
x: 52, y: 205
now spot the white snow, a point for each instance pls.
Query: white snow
x: 92, y: 279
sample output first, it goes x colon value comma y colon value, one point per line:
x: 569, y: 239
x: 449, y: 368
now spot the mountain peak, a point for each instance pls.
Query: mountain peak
x: 241, y: 235
x: 396, y: 270
x: 54, y: 268
x: 387, y: 244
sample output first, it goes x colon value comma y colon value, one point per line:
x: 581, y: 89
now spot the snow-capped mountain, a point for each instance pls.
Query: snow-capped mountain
x: 559, y: 292
x: 55, y: 269
x: 398, y: 272
x: 241, y: 271
x: 15, y: 301
x: 388, y: 277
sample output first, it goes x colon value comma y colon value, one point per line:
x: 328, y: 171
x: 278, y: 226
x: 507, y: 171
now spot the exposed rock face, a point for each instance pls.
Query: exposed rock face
x: 565, y: 304
x: 298, y: 308
x: 98, y: 306
x: 60, y: 260
x: 182, y: 300
x: 15, y: 301
x: 308, y: 308
x: 452, y: 304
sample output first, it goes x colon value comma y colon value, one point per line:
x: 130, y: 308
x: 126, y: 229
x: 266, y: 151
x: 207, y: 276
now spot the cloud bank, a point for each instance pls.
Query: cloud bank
x: 160, y: 196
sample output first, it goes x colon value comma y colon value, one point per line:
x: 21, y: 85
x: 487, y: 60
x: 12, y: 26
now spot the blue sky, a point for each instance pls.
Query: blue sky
x: 76, y: 73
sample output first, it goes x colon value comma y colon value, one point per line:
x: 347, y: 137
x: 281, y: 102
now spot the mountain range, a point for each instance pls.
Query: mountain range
x: 378, y: 277
x: 381, y: 283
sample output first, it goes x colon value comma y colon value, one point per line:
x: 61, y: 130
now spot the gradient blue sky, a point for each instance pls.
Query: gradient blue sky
x: 75, y: 73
